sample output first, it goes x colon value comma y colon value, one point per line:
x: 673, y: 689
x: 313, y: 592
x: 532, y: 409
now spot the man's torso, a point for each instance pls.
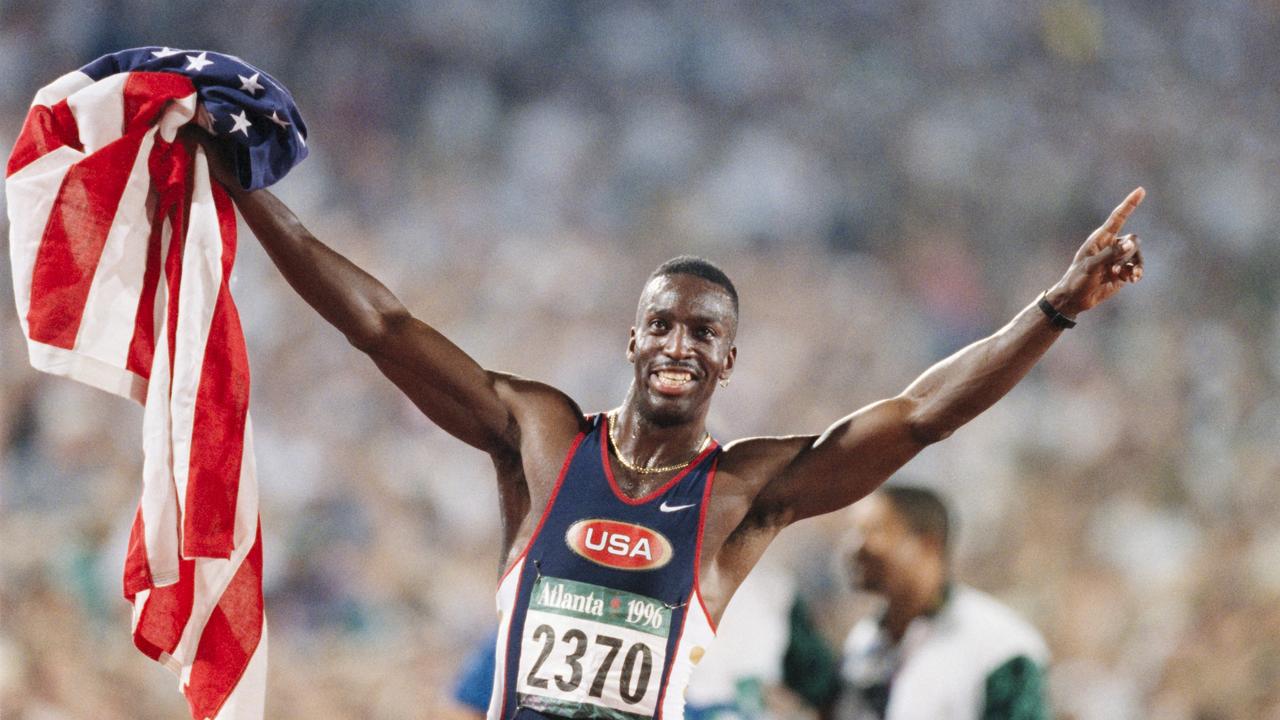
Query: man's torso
x: 601, y: 614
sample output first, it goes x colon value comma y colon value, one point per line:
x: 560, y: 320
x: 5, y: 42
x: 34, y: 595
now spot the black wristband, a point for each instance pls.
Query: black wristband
x: 1056, y: 318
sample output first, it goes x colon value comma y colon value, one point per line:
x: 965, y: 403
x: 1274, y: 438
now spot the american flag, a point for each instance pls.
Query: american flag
x: 122, y: 248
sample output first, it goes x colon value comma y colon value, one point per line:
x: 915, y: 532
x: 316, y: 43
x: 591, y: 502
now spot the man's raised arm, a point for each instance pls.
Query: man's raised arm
x: 442, y: 380
x: 862, y: 450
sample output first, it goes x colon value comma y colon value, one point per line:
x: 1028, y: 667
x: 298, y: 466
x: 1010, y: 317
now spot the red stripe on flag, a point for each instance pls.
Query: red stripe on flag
x: 169, y: 166
x: 137, y: 571
x: 174, y: 197
x: 166, y: 613
x: 222, y: 402
x: 73, y: 239
x: 142, y: 346
x: 85, y: 209
x: 148, y: 94
x: 229, y: 638
x: 46, y: 129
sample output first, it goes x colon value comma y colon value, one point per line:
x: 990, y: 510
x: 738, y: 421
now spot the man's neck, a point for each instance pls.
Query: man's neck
x: 648, y: 444
x: 923, y: 597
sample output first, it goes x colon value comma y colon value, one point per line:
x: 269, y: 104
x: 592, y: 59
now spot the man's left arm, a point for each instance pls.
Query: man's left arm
x: 861, y: 451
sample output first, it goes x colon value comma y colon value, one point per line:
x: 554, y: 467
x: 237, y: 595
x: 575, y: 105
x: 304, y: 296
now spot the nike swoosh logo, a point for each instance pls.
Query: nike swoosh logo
x: 664, y: 507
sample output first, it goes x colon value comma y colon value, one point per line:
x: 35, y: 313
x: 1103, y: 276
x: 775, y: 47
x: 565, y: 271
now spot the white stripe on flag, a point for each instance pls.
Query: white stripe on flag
x: 62, y: 88
x: 99, y: 112
x: 110, y: 310
x: 197, y: 298
x: 160, y: 518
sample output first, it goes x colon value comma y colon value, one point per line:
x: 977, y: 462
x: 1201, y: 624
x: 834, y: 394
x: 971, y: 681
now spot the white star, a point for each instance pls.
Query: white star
x: 165, y: 52
x: 250, y: 84
x: 198, y: 62
x: 242, y: 123
x: 278, y: 120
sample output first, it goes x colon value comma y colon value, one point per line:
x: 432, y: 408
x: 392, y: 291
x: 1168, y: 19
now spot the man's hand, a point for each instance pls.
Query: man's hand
x: 1105, y: 262
x: 219, y: 164
x: 822, y: 473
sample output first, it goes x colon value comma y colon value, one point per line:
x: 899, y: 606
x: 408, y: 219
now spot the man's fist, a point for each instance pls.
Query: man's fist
x: 220, y: 165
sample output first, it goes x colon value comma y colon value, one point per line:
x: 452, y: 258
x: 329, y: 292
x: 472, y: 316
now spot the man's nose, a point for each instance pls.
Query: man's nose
x: 677, y: 343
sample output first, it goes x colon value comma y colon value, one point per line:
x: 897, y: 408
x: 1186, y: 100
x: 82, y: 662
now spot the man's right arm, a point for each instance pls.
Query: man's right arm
x: 446, y: 383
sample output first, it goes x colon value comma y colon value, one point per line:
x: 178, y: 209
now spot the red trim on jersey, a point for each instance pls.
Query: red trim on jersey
x: 697, y: 587
x: 606, y: 441
x: 546, y: 511
x: 564, y: 470
x: 672, y: 661
x: 697, y: 553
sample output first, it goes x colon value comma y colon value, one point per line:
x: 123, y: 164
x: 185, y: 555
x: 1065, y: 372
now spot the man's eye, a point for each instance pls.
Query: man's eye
x: 706, y: 333
x: 658, y: 324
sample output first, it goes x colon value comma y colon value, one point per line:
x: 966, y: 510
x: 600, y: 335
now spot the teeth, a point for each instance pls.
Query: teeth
x: 674, y: 376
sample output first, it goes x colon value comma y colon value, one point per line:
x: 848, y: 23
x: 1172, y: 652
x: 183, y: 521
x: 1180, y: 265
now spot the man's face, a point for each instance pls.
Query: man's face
x: 681, y: 345
x: 881, y: 549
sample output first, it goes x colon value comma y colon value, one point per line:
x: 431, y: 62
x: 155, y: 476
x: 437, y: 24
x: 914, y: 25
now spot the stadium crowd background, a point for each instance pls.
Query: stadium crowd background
x: 885, y: 181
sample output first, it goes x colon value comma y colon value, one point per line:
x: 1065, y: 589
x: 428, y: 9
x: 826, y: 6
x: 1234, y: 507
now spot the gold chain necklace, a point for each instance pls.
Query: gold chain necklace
x: 613, y: 439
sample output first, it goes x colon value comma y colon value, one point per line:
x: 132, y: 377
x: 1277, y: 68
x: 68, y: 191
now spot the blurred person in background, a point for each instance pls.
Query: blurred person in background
x: 737, y: 677
x: 940, y: 650
x: 474, y: 684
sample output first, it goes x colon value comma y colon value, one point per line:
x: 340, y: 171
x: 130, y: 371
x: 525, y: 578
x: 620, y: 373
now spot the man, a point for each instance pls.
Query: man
x: 940, y: 650
x: 626, y: 533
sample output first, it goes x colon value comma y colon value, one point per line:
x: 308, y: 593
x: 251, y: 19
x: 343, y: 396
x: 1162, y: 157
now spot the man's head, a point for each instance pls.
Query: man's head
x: 902, y: 536
x: 682, y: 340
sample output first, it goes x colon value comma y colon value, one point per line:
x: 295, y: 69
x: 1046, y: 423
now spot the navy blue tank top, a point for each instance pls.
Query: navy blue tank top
x: 601, y: 614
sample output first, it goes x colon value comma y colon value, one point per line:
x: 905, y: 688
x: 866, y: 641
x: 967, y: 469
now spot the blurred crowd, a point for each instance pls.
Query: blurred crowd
x: 885, y: 182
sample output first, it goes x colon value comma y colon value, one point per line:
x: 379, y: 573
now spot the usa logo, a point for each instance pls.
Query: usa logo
x: 620, y: 545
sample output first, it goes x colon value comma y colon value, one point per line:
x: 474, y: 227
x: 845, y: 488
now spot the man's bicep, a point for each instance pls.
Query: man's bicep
x: 438, y: 376
x: 848, y: 461
x: 488, y: 431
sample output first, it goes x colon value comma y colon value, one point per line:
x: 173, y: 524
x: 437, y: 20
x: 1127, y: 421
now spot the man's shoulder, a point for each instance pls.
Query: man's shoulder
x: 534, y: 400
x: 762, y: 456
x: 979, y: 619
x: 951, y: 657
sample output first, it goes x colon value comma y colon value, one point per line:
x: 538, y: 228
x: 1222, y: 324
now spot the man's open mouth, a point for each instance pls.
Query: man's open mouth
x: 672, y: 381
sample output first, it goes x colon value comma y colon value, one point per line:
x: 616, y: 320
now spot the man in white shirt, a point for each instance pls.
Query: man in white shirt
x: 940, y: 650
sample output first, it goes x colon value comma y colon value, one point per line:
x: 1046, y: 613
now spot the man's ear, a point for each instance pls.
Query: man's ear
x: 631, y: 346
x: 729, y: 363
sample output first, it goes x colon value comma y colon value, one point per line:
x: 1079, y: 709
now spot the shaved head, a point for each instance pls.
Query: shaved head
x: 699, y: 267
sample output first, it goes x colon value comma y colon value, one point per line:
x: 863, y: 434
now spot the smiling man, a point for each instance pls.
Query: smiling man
x: 625, y: 533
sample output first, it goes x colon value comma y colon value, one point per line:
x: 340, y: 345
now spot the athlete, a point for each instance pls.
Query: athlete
x: 625, y: 533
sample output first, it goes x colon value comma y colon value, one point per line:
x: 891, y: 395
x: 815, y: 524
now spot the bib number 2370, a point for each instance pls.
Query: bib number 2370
x: 592, y: 652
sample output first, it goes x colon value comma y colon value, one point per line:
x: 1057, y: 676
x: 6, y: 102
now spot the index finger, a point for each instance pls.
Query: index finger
x: 1123, y: 211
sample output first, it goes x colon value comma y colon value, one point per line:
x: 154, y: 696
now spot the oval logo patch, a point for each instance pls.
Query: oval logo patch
x: 620, y: 545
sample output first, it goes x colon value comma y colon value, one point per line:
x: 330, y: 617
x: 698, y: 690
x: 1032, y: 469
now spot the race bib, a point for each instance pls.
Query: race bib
x: 592, y: 652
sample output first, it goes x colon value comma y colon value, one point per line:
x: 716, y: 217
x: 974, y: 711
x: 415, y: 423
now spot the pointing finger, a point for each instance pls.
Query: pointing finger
x: 1123, y: 211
